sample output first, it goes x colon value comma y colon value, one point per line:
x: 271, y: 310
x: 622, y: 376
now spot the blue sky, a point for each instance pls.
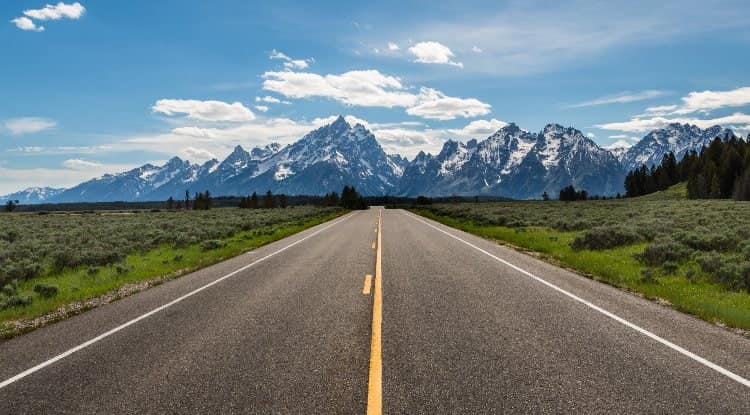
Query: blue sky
x: 95, y: 86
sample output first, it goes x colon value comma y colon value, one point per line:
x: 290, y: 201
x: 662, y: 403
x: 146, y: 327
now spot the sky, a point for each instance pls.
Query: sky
x: 95, y: 87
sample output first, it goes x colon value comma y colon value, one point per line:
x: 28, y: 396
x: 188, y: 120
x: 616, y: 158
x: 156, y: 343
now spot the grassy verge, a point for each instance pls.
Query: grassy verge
x: 619, y: 267
x: 85, y: 287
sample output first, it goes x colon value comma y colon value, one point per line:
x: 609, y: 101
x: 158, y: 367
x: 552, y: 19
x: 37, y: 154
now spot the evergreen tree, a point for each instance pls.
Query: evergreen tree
x: 545, y: 196
x: 170, y: 203
x: 254, y: 203
x: 269, y: 202
x: 282, y: 201
x: 11, y: 205
x: 187, y: 200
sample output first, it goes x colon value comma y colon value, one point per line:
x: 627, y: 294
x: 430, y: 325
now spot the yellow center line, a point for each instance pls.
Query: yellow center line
x: 368, y: 284
x: 375, y: 383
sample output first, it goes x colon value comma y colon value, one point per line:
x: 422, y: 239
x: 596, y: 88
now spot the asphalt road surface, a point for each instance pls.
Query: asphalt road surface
x: 443, y: 322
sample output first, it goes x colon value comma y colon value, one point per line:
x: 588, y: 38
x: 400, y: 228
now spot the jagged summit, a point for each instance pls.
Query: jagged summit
x: 511, y: 162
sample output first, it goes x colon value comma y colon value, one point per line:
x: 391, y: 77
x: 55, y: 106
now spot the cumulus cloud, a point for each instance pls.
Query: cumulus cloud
x: 479, y: 128
x: 639, y: 125
x: 24, y: 23
x: 370, y: 88
x: 290, y: 63
x: 204, y: 110
x: 261, y: 108
x: 433, y: 53
x: 367, y: 88
x: 621, y: 98
x: 78, y: 164
x: 713, y: 100
x: 433, y: 104
x: 57, y: 12
x: 476, y: 49
x: 393, y: 47
x: 28, y: 125
x: 49, y: 12
x: 197, y: 154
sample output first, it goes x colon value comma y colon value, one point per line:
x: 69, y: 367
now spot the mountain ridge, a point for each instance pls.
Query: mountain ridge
x: 512, y: 162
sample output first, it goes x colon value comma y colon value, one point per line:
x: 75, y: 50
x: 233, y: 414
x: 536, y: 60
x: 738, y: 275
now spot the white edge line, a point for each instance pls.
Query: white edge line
x: 613, y: 316
x: 81, y: 346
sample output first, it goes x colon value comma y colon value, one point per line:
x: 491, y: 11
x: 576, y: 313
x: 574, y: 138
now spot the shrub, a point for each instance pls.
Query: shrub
x: 661, y: 251
x: 212, y: 244
x: 710, y: 262
x: 605, y: 237
x: 734, y: 275
x: 46, y: 290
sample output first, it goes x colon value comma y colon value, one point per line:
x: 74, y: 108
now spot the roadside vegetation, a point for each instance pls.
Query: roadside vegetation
x: 694, y: 254
x: 50, y: 260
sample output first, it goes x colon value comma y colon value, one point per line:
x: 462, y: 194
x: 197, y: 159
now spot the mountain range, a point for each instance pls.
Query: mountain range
x: 512, y: 162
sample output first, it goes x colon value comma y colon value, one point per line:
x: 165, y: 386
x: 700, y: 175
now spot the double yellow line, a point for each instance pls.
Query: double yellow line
x: 375, y: 383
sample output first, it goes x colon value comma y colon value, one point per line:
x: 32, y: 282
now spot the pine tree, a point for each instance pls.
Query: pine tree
x: 269, y: 202
x: 254, y: 203
x: 170, y: 203
x: 282, y: 201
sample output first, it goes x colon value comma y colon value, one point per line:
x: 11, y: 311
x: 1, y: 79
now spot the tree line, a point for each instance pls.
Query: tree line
x: 720, y: 171
x: 269, y: 201
x: 349, y: 199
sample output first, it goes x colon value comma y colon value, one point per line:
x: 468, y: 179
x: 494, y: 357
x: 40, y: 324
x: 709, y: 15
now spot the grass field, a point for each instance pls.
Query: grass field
x: 55, y: 262
x: 693, y: 254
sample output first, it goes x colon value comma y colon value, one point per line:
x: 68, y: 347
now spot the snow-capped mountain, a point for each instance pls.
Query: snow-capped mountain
x: 677, y: 138
x: 147, y: 182
x: 322, y: 161
x: 512, y: 162
x: 618, y: 149
x: 32, y: 195
x: 515, y: 163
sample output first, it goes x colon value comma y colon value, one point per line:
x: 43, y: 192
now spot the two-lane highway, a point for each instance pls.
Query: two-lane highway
x: 445, y: 323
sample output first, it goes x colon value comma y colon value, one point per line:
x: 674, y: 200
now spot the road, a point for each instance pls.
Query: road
x: 451, y: 323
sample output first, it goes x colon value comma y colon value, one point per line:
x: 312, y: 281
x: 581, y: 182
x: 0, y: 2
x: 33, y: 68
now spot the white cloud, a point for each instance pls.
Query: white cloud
x: 476, y: 49
x: 434, y: 53
x: 261, y: 108
x: 367, y: 88
x: 15, y: 179
x: 290, y: 63
x: 621, y: 98
x: 660, y: 109
x: 393, y: 47
x: 433, y: 104
x: 204, y: 110
x: 57, y: 12
x: 78, y: 164
x: 24, y: 23
x: 271, y: 100
x: 408, y: 142
x: 712, y: 100
x: 480, y: 128
x: 370, y: 88
x: 28, y: 125
x: 197, y: 154
x: 590, y: 135
x: 639, y: 125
